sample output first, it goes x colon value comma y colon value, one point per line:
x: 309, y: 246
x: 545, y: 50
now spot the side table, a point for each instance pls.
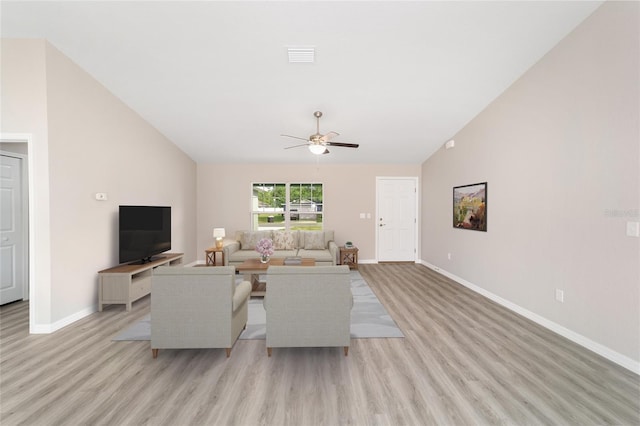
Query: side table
x: 349, y: 256
x: 210, y: 255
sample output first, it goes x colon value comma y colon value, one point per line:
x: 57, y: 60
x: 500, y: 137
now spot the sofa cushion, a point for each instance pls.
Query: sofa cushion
x: 320, y: 256
x: 314, y: 240
x: 242, y: 255
x: 285, y: 240
x: 249, y: 239
x: 241, y: 294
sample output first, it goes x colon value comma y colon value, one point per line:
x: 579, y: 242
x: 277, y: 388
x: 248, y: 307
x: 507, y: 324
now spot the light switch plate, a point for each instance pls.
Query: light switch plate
x: 633, y: 229
x: 101, y: 196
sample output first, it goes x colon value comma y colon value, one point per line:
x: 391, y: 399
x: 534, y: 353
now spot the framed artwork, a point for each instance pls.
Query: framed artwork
x: 470, y: 207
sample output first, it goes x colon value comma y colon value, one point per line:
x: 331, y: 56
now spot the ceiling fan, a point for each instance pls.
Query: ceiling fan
x: 318, y: 142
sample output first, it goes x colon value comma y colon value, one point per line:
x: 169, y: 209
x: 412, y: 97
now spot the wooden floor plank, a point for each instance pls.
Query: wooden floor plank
x: 464, y: 360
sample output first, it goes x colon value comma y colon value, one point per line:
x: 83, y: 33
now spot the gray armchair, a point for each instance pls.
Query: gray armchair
x: 197, y: 307
x: 308, y: 306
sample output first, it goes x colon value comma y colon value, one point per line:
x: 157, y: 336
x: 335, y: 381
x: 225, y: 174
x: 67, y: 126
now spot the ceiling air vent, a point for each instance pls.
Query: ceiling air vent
x: 299, y: 55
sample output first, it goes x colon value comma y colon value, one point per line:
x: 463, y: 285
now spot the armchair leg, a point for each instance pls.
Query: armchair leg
x: 154, y: 352
x: 269, y: 351
x: 346, y: 351
x: 228, y: 352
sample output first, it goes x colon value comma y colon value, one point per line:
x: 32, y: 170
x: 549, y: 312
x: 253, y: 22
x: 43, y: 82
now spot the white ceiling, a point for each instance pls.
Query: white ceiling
x: 399, y: 78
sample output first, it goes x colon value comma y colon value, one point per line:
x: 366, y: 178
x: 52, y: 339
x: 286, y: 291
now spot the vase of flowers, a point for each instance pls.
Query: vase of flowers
x: 265, y: 248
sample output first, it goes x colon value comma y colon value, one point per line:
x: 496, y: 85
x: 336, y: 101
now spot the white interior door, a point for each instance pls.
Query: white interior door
x: 396, y: 220
x: 12, y: 258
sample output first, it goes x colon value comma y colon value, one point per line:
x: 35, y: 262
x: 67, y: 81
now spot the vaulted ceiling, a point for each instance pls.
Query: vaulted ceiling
x: 398, y: 78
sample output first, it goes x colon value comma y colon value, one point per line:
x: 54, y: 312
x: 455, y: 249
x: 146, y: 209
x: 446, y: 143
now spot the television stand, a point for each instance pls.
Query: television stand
x: 124, y: 284
x: 145, y: 260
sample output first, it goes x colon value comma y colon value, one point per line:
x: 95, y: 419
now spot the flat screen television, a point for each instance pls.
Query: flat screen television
x: 144, y: 231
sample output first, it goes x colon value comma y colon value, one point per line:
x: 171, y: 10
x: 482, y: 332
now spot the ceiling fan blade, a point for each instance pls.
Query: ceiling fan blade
x: 296, y: 146
x: 342, y: 144
x: 296, y: 137
x: 329, y: 136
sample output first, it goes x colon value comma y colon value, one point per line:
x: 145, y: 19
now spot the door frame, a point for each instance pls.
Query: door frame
x: 24, y: 176
x: 31, y: 246
x: 417, y: 207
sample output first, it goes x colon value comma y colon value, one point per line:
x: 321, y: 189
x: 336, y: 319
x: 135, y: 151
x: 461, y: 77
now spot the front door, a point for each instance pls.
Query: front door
x: 12, y: 258
x: 396, y: 220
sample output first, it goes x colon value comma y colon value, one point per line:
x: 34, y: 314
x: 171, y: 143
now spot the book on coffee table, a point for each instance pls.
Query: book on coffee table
x: 293, y: 260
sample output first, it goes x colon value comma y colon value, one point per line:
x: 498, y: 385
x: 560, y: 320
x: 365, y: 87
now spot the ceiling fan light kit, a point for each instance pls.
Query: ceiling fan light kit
x: 318, y: 143
x: 317, y: 149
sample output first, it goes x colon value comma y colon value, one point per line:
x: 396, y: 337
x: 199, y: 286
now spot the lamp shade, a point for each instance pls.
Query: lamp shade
x: 317, y: 149
x: 218, y: 233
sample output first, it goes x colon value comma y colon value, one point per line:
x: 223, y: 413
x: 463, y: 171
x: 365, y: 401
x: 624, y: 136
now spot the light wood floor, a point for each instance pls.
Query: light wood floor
x: 464, y: 361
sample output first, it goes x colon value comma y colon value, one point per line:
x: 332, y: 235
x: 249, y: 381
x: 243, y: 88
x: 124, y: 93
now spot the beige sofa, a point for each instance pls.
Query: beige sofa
x: 197, y: 308
x: 308, y: 307
x: 318, y: 245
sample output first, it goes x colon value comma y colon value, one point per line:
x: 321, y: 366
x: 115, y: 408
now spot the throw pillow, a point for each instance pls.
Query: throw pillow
x: 250, y: 239
x: 314, y: 240
x: 284, y: 240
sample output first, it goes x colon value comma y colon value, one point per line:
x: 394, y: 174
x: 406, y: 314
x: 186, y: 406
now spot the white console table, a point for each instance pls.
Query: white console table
x: 124, y: 284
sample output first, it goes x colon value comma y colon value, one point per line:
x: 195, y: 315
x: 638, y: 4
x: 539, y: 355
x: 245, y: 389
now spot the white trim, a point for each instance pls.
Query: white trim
x: 28, y: 139
x: 417, y: 213
x: 581, y: 340
x: 50, y: 328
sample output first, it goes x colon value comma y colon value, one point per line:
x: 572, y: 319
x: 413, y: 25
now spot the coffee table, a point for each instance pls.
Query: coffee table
x: 252, y: 268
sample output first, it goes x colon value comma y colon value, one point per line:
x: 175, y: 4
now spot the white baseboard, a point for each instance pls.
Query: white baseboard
x: 51, y: 328
x: 583, y: 341
x: 375, y: 261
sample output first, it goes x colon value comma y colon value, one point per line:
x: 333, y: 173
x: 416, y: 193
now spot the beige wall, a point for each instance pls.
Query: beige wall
x: 224, y: 197
x: 95, y: 143
x: 560, y: 153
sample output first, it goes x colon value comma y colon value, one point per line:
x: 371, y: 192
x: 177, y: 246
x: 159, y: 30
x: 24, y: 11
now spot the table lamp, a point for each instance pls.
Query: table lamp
x: 218, y: 234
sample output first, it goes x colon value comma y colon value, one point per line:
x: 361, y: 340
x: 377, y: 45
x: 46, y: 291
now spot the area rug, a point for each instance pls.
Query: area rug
x: 369, y: 319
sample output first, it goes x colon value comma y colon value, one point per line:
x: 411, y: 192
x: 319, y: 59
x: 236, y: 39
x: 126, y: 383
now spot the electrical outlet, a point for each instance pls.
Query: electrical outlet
x: 559, y: 295
x: 633, y: 229
x: 449, y: 256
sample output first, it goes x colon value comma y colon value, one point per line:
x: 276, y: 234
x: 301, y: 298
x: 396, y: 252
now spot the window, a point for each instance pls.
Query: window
x: 287, y: 206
